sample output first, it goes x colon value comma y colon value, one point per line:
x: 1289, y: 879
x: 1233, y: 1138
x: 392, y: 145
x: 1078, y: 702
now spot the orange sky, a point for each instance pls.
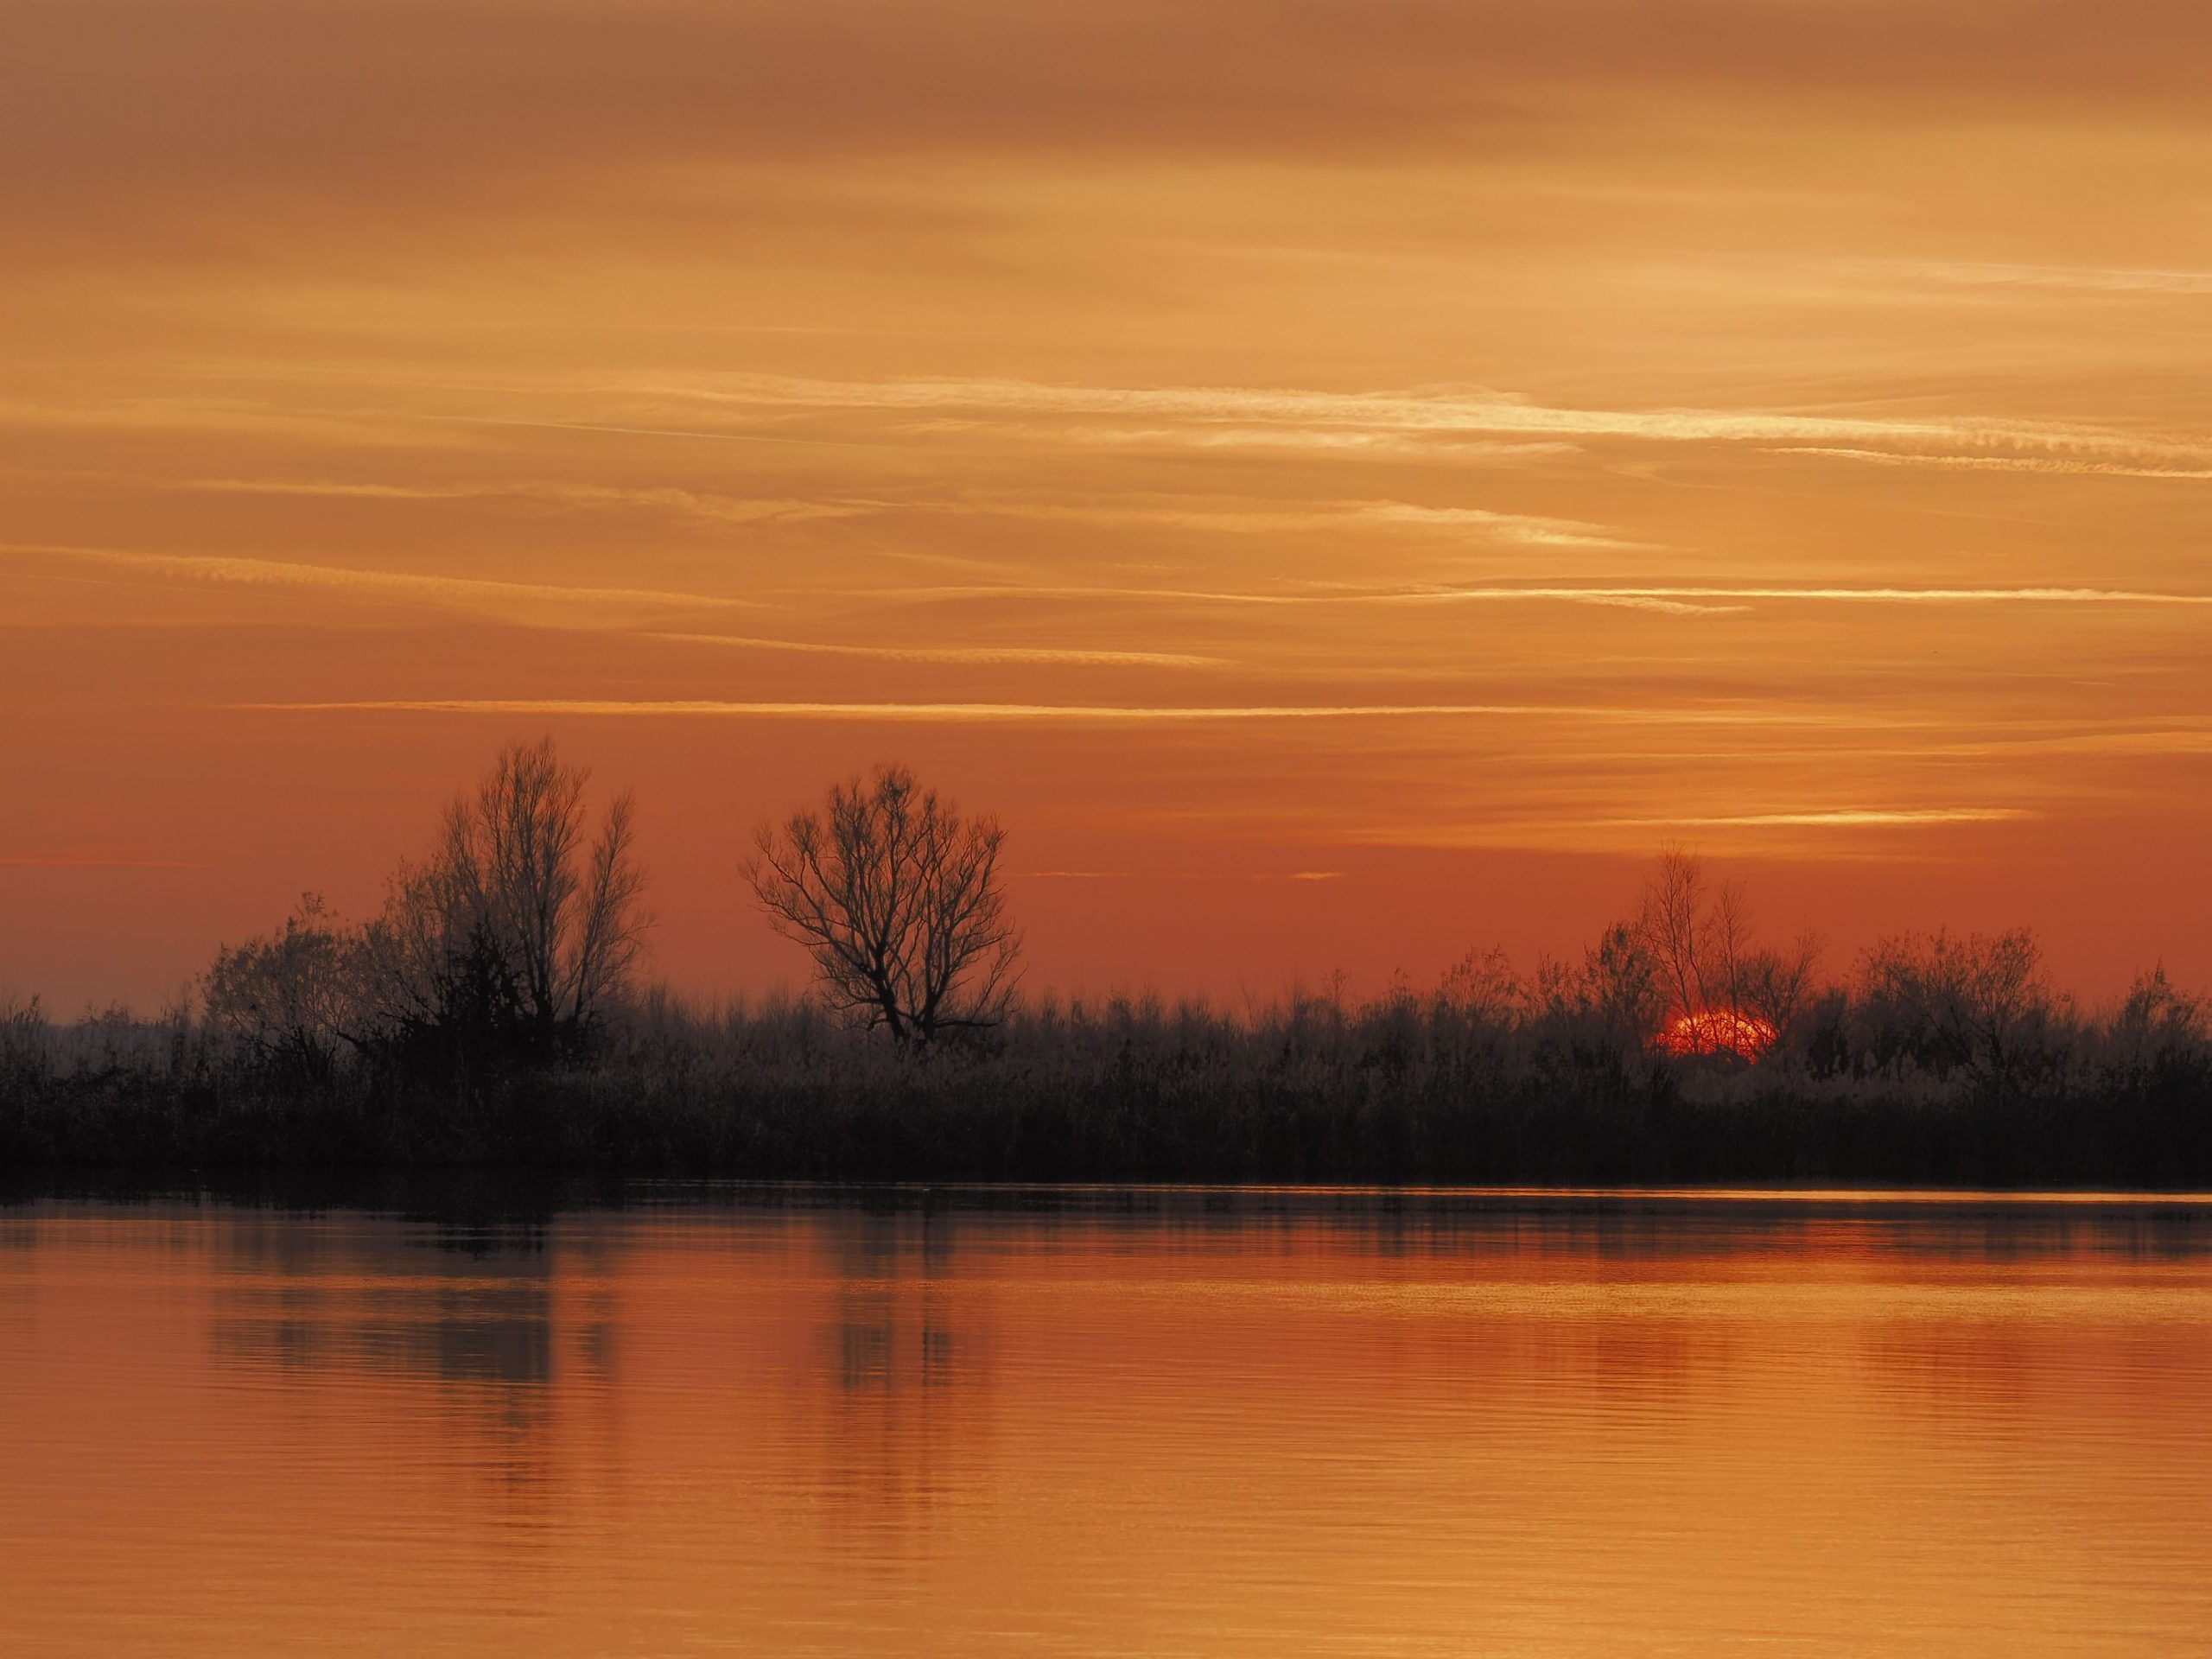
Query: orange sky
x: 1437, y: 450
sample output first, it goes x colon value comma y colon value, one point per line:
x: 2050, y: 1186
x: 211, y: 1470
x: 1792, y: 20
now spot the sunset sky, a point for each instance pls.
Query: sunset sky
x: 1345, y: 480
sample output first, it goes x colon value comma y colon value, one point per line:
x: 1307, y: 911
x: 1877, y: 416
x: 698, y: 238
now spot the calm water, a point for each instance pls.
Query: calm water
x: 1108, y: 1424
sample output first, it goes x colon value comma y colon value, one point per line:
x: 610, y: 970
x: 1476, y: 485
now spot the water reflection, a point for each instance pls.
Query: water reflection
x: 906, y: 1429
x: 894, y: 1321
x: 490, y: 1323
x: 1129, y: 1422
x: 480, y: 1337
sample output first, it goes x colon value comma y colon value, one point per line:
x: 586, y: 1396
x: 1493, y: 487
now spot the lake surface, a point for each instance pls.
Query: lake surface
x: 1108, y: 1423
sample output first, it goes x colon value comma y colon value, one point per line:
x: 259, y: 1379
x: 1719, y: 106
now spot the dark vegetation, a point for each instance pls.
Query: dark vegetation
x: 491, y: 1016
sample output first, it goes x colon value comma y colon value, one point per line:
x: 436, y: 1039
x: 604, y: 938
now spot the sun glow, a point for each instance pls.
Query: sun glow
x: 1719, y: 1031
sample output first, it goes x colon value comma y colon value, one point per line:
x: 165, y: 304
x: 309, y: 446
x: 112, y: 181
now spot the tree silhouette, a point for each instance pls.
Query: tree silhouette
x: 294, y: 997
x: 1724, y: 992
x: 515, y: 924
x: 1976, y: 1000
x: 896, y: 896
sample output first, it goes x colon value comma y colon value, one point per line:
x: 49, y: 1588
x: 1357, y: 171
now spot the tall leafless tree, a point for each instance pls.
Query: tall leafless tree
x: 515, y: 918
x: 1714, y: 974
x: 897, y: 897
x: 1694, y: 934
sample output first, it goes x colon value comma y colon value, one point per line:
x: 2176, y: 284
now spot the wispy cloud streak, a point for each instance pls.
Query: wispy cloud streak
x: 979, y: 655
x: 1074, y: 714
x: 1529, y: 529
x: 2052, y: 466
x: 2110, y: 279
x: 699, y: 505
x: 1670, y: 599
x: 470, y: 592
x: 1870, y: 595
x: 1335, y: 419
x: 1851, y: 817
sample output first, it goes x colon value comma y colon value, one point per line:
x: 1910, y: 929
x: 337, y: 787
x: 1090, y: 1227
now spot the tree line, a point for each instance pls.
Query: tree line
x: 494, y: 1009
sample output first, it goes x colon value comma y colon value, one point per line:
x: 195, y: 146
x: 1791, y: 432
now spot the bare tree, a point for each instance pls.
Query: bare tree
x: 1776, y: 985
x: 896, y: 896
x: 1699, y: 938
x: 24, y: 1049
x: 1621, y: 990
x: 1676, y: 930
x: 516, y: 919
x: 2154, y: 1029
x: 294, y: 996
x: 1724, y: 992
x: 1980, y: 1001
x: 1483, y: 986
x: 610, y: 931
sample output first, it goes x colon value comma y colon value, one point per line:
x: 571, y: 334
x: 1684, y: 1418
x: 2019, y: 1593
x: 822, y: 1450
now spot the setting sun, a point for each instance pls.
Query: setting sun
x: 1719, y: 1031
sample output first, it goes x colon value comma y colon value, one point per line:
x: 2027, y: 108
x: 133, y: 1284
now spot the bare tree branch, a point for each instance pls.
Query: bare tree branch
x: 896, y: 898
x: 514, y: 920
